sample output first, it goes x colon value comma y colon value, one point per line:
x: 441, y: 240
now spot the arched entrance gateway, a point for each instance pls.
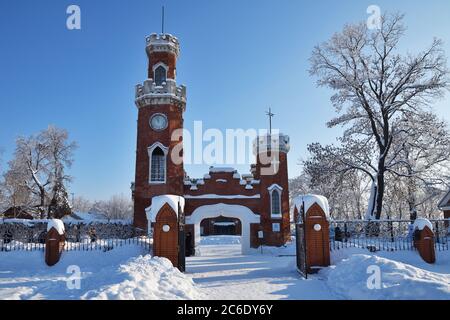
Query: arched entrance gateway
x: 244, y: 214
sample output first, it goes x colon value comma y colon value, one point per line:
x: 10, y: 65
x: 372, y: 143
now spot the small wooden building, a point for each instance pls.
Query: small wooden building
x: 444, y: 205
x: 17, y: 213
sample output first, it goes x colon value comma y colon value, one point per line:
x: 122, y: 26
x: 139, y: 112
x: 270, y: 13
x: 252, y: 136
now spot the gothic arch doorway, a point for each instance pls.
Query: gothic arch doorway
x: 244, y: 214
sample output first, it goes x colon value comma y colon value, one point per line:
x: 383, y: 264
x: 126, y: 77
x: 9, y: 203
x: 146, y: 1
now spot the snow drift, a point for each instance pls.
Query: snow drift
x: 399, y: 281
x: 125, y: 272
x: 147, y: 278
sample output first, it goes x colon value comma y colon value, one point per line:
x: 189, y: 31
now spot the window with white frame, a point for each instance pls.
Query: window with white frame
x: 160, y: 75
x: 158, y: 158
x: 275, y: 200
x: 276, y: 205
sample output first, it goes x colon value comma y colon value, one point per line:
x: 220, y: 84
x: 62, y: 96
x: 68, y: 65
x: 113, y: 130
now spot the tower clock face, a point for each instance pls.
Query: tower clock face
x: 158, y: 122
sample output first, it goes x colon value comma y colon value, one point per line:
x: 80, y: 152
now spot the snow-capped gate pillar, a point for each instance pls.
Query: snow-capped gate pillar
x: 165, y: 215
x: 316, y: 228
x: 54, y: 241
x: 424, y: 239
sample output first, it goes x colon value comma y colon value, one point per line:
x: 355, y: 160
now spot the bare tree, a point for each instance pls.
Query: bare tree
x: 81, y: 204
x: 423, y: 157
x: 60, y: 157
x: 42, y: 160
x: 31, y: 157
x: 15, y: 192
x: 376, y: 86
x: 117, y: 207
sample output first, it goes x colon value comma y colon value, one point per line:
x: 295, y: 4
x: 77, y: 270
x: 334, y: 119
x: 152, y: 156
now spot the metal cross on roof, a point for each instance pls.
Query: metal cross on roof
x: 270, y: 114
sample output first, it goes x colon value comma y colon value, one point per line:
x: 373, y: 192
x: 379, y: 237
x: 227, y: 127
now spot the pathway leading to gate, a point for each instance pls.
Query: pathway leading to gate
x: 223, y: 273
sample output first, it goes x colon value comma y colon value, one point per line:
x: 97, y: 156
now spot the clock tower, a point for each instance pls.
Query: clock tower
x: 161, y: 104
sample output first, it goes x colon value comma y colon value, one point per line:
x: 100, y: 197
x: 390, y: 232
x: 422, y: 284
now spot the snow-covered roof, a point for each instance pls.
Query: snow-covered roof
x: 421, y: 223
x: 309, y: 200
x: 445, y: 202
x: 85, y: 217
x: 224, y: 224
x: 57, y: 224
x: 159, y: 201
x: 221, y: 169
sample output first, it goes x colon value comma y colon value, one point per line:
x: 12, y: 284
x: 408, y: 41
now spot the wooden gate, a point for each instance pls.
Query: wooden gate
x: 166, y: 235
x: 317, y: 238
x: 312, y: 239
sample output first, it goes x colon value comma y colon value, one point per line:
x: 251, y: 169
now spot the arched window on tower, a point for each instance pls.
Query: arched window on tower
x: 275, y: 200
x: 160, y: 75
x: 158, y: 165
x: 276, y: 203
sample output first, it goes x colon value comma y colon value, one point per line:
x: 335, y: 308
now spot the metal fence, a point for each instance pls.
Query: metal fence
x: 100, y: 244
x: 386, y: 235
x: 30, y: 236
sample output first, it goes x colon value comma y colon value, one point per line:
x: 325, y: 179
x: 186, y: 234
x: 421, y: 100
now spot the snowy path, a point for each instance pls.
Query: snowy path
x: 222, y: 272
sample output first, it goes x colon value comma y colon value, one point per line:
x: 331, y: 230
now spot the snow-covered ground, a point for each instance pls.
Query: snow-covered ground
x: 122, y: 273
x: 222, y: 272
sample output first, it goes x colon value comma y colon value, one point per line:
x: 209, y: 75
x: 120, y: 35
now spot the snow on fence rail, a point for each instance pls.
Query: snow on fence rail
x: 386, y: 235
x: 30, y: 235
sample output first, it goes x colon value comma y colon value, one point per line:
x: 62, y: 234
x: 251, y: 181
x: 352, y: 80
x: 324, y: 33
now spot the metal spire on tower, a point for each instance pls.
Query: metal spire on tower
x: 270, y: 114
x: 162, y: 20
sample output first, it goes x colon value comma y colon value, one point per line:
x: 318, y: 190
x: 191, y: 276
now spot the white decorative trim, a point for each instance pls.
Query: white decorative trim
x: 166, y: 69
x: 150, y: 151
x: 244, y: 214
x: 162, y: 43
x: 274, y: 186
x: 219, y: 196
x: 162, y: 64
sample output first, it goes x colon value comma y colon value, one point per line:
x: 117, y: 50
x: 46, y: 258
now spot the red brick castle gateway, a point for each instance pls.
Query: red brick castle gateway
x: 254, y: 205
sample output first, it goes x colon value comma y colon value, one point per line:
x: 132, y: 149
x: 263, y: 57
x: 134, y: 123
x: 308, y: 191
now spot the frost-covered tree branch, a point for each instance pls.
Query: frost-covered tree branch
x: 375, y: 86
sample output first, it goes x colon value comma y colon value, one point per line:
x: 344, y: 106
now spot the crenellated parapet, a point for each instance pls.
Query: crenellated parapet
x: 162, y: 43
x: 168, y: 92
x: 274, y: 142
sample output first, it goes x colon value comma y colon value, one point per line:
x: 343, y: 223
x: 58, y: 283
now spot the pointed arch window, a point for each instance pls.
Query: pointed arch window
x: 160, y: 75
x: 275, y: 200
x: 158, y: 163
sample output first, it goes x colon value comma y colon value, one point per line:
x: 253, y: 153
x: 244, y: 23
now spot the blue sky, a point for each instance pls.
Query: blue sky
x: 237, y: 58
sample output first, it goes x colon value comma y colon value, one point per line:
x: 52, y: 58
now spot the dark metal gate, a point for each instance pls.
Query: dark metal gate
x: 301, y: 249
x: 181, y: 241
x: 300, y: 238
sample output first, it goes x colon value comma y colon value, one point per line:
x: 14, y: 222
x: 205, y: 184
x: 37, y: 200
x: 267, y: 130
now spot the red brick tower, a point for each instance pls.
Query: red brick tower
x: 160, y: 104
x: 272, y: 170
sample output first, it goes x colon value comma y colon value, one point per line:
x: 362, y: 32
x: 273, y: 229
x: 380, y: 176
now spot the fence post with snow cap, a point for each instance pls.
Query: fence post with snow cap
x: 54, y: 241
x: 424, y: 239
